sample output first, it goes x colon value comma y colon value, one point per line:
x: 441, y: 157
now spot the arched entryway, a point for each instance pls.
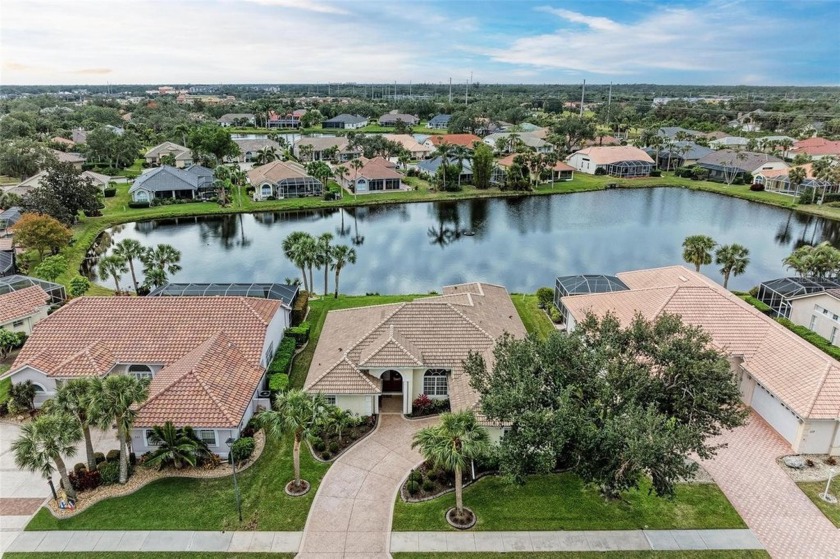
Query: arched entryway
x: 392, y: 382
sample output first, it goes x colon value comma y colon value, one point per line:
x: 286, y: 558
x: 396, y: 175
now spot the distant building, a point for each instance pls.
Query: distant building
x: 617, y: 161
x: 237, y: 119
x: 194, y: 182
x: 346, y: 122
x: 391, y: 119
x: 183, y: 156
x: 439, y: 122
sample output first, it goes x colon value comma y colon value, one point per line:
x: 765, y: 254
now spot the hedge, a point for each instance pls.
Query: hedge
x: 754, y: 302
x: 811, y: 337
x: 282, y: 361
x: 109, y: 192
x: 300, y: 333
x: 138, y: 204
x: 299, y: 310
x: 278, y: 382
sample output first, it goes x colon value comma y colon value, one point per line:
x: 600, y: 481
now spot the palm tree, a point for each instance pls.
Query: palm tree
x: 339, y: 419
x: 732, y: 259
x: 73, y: 398
x: 266, y: 155
x: 444, y: 150
x: 309, y: 253
x: 325, y: 256
x: 300, y: 414
x: 159, y: 262
x: 460, y: 153
x: 342, y: 255
x: 356, y: 164
x: 451, y: 445
x: 292, y: 250
x: 176, y: 446
x: 341, y: 172
x: 697, y: 250
x: 113, y: 401
x: 130, y: 250
x: 43, y: 442
x: 113, y: 266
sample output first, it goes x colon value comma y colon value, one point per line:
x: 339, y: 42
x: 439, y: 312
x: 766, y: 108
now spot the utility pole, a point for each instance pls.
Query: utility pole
x: 609, y: 103
x: 450, y: 91
x: 395, y: 91
x: 582, y: 97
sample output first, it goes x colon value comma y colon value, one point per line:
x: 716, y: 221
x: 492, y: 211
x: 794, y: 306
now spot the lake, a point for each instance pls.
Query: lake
x: 521, y: 243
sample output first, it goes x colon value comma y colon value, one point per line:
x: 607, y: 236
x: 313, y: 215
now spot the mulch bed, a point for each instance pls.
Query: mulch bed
x: 433, y: 482
x: 331, y: 447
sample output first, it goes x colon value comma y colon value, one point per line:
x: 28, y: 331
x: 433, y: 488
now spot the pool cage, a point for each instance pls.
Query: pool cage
x: 10, y: 284
x: 584, y: 284
x: 630, y: 169
x: 298, y: 187
x: 777, y: 293
x: 275, y: 291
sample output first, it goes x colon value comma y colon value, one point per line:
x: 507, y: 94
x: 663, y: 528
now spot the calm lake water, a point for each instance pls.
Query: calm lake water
x: 521, y: 243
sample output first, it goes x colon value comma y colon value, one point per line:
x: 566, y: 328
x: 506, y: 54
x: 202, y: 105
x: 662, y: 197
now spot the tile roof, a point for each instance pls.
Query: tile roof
x: 23, y: 303
x: 394, y: 117
x: 276, y: 171
x: 377, y: 168
x: 255, y: 144
x: 604, y: 155
x: 748, y: 161
x: 433, y: 332
x: 507, y: 161
x: 408, y: 142
x: 166, y: 148
x: 320, y: 144
x: 466, y: 140
x: 804, y: 378
x: 68, y: 156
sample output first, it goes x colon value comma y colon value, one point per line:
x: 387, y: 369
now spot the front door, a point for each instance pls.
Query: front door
x: 392, y: 382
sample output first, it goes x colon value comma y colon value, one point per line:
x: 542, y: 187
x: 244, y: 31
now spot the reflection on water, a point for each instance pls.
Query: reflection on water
x: 522, y: 243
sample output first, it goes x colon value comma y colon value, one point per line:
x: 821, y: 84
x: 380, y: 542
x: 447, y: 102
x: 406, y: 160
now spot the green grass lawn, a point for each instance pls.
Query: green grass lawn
x: 533, y: 317
x: 318, y: 310
x: 727, y: 554
x: 194, y: 504
x: 814, y: 488
x: 5, y: 384
x: 563, y: 502
x: 146, y: 555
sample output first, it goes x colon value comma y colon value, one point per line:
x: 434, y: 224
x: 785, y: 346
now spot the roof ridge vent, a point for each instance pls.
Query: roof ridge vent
x: 682, y: 278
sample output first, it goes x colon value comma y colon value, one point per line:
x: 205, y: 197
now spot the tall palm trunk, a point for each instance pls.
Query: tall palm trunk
x: 65, y: 479
x: 326, y: 284
x: 459, y: 492
x: 296, y: 459
x: 725, y: 279
x: 311, y: 281
x: 123, y: 453
x: 133, y: 275
x: 91, y: 459
x: 337, y: 271
x: 697, y: 267
x: 303, y: 273
x: 117, y: 282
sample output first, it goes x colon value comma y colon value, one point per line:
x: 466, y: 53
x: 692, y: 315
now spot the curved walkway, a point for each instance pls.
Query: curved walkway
x: 782, y: 517
x: 351, y: 513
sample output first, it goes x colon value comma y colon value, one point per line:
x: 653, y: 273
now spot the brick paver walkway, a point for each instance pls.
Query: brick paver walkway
x: 351, y: 514
x: 780, y: 515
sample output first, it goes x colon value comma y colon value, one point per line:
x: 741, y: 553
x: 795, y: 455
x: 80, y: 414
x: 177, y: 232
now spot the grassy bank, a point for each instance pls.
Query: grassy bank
x: 725, y: 554
x: 533, y: 317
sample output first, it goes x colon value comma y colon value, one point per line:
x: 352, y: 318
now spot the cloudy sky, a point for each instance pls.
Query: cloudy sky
x: 770, y: 42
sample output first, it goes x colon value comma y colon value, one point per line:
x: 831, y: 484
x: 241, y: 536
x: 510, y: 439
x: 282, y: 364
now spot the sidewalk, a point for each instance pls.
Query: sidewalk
x: 120, y: 540
x: 607, y: 540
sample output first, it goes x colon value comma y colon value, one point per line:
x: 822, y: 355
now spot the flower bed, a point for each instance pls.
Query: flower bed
x: 326, y: 446
x: 423, y: 406
x: 427, y: 482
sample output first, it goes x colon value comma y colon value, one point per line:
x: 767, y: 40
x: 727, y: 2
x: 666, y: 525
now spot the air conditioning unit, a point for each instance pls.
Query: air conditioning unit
x: 264, y: 394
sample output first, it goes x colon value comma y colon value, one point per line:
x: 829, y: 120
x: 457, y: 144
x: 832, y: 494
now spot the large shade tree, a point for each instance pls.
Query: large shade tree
x: 614, y: 403
x: 44, y: 442
x: 113, y: 401
x: 64, y: 193
x: 697, y: 250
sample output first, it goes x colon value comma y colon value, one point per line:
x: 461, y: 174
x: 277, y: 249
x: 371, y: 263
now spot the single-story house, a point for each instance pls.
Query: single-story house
x: 9, y: 217
x: 7, y: 257
x: 183, y: 156
x: 205, y: 357
x: 818, y: 312
x: 346, y: 122
x: 439, y: 122
x: 617, y: 161
x: 237, y: 119
x: 375, y: 175
x: 560, y: 171
x: 465, y: 140
x: 409, y: 144
x: 431, y: 166
x: 75, y: 159
x: 778, y: 180
x: 320, y: 145
x: 815, y: 148
x: 35, y: 181
x: 505, y: 142
x: 62, y: 141
x: 248, y: 148
x: 289, y: 120
x: 391, y: 119
x: 726, y: 163
x: 728, y: 142
x: 670, y: 132
x: 283, y: 179
x: 21, y: 310
x: 79, y: 135
x: 679, y: 154
x: 285, y: 294
x: 787, y: 381
x: 403, y: 350
x: 170, y: 182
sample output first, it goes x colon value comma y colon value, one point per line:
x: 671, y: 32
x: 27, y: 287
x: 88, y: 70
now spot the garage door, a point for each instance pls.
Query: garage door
x: 774, y: 413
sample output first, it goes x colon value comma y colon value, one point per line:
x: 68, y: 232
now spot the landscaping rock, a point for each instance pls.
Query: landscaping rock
x: 795, y: 462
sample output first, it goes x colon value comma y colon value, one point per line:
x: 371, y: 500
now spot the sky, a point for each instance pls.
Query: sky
x: 728, y: 42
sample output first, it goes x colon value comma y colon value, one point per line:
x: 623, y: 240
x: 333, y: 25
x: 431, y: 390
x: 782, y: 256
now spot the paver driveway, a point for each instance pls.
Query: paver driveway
x: 780, y: 515
x: 351, y: 514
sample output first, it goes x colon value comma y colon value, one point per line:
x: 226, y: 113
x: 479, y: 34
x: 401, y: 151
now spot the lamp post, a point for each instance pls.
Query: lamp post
x: 229, y: 443
x: 825, y: 495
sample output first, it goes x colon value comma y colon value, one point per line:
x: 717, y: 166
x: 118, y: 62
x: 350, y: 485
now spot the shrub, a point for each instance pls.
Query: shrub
x: 4, y: 409
x: 80, y: 467
x: 428, y: 486
x: 763, y: 307
x: 133, y: 204
x: 109, y: 472
x: 656, y: 173
x: 326, y: 455
x: 210, y: 462
x: 812, y: 337
x: 334, y: 447
x: 831, y: 461
x: 806, y: 196
x: 300, y: 333
x: 278, y: 382
x: 318, y: 444
x: 682, y: 172
x: 132, y: 459
x: 113, y: 455
x: 98, y: 457
x: 282, y: 361
x: 545, y: 296
x: 84, y: 480
x: 421, y: 404
x: 300, y: 307
x: 600, y: 171
x: 756, y: 187
x: 415, y: 476
x: 809, y: 463
x: 738, y: 180
x: 555, y: 315
x: 242, y: 448
x: 109, y: 192
x: 412, y: 487
x: 699, y: 173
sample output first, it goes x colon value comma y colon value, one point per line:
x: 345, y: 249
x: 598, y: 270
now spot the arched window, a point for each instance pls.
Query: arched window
x: 434, y: 382
x: 141, y: 196
x: 140, y: 372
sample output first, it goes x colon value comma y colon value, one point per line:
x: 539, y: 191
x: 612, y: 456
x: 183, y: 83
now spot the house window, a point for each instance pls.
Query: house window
x: 207, y: 436
x: 140, y: 372
x: 330, y: 399
x: 17, y: 324
x: 147, y: 436
x: 269, y: 353
x: 434, y: 382
x: 833, y: 334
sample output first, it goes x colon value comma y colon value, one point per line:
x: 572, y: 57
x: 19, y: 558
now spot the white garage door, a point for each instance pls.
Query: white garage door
x: 774, y: 413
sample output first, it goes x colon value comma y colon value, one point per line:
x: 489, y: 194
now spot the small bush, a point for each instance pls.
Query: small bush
x: 80, y: 467
x: 545, y: 297
x: 326, y: 455
x: 132, y: 459
x: 334, y: 448
x: 421, y: 404
x: 242, y: 448
x: 412, y: 487
x: 415, y: 476
x: 831, y: 461
x: 113, y: 455
x: 809, y: 463
x: 739, y: 180
x: 428, y: 486
x: 555, y: 315
x: 138, y: 204
x: 756, y: 187
x: 763, y: 307
x: 282, y: 361
x: 278, y: 382
x: 109, y: 192
x: 812, y: 337
x: 656, y: 173
x: 300, y: 307
x: 300, y: 333
x: 84, y: 480
x: 98, y: 457
x: 109, y: 472
x: 806, y: 196
x: 319, y: 445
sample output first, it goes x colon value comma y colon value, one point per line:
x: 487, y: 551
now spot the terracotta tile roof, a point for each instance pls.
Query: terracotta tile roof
x: 604, y: 155
x: 22, y: 303
x: 211, y: 386
x: 143, y: 330
x: 507, y: 161
x: 816, y: 146
x: 377, y: 168
x: 804, y: 378
x: 438, y: 331
x: 95, y: 359
x: 276, y: 171
x: 466, y: 140
x: 408, y: 143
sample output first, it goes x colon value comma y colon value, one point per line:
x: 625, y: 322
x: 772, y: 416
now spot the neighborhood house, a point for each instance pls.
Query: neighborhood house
x: 283, y: 179
x: 375, y: 175
x: 20, y: 310
x: 182, y: 156
x: 170, y: 182
x: 346, y: 122
x: 617, y: 161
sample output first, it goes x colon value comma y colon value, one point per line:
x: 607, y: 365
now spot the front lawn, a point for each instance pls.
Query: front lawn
x: 563, y: 502
x: 318, y: 309
x: 726, y: 554
x: 147, y: 555
x: 814, y: 488
x: 533, y: 317
x: 5, y: 384
x: 195, y: 504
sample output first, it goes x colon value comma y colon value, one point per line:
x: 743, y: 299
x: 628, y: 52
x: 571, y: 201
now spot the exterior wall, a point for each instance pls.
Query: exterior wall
x: 361, y: 404
x: 825, y: 322
x: 139, y: 446
x: 146, y: 196
x: 496, y: 434
x: 40, y: 379
x: 26, y: 323
x: 582, y: 163
x: 274, y: 333
x: 817, y: 436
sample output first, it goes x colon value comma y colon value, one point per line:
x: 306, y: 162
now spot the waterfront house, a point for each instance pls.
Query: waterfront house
x: 392, y: 118
x: 465, y: 140
x: 314, y: 148
x: 346, y: 122
x: 725, y: 163
x: 237, y: 119
x: 439, y: 122
x: 415, y: 149
x: 375, y: 175
x: 617, y: 161
x: 183, y: 156
x: 194, y: 182
x: 283, y: 179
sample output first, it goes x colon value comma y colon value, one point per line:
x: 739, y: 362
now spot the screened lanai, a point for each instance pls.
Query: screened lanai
x: 297, y: 187
x: 10, y: 284
x: 276, y: 291
x: 629, y: 169
x: 584, y: 284
x: 777, y: 293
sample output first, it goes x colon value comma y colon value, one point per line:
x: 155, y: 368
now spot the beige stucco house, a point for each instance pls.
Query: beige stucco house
x: 819, y: 312
x: 21, y: 310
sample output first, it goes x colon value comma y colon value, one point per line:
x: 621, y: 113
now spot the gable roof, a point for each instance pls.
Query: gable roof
x: 167, y: 148
x: 276, y: 171
x: 22, y: 303
x: 800, y: 375
x: 440, y: 119
x: 672, y: 131
x: 695, y: 151
x: 747, y: 161
x: 466, y: 140
x: 605, y: 155
x: 348, y: 119
x: 408, y: 142
x: 165, y: 178
x: 322, y: 143
x: 377, y: 168
x: 255, y: 144
x: 394, y: 117
x: 230, y: 117
x: 68, y: 156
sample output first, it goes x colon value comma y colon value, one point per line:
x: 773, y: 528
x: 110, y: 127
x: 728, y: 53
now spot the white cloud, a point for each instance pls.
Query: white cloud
x: 305, y: 5
x: 600, y: 23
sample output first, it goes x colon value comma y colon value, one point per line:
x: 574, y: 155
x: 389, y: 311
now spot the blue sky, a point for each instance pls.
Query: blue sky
x: 774, y: 42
